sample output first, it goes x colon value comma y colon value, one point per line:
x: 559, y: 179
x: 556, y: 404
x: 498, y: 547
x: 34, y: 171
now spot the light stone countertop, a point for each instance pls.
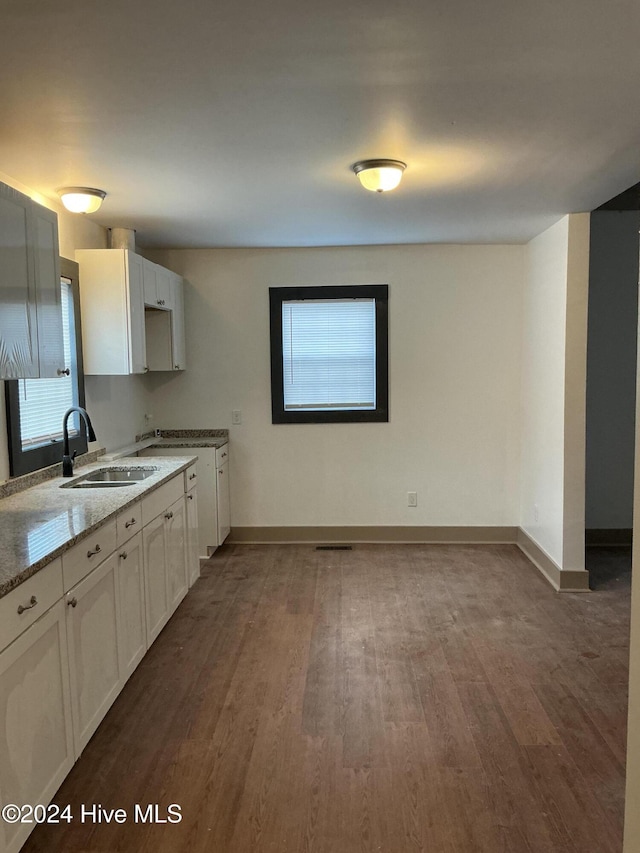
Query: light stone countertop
x: 167, y: 442
x: 202, y: 441
x: 40, y: 523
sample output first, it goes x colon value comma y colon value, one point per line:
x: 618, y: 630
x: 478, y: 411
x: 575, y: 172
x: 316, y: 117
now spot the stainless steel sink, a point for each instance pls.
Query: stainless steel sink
x: 109, y: 475
x: 109, y: 478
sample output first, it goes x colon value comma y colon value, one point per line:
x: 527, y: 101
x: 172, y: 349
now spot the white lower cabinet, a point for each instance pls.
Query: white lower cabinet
x: 193, y: 558
x: 164, y: 566
x: 93, y: 632
x: 214, y: 513
x: 224, y: 508
x: 133, y: 634
x: 155, y: 577
x: 36, y: 740
x: 175, y: 530
x: 61, y: 671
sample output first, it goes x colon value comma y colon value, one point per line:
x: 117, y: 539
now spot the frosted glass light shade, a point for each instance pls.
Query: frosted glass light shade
x: 81, y: 199
x: 379, y: 175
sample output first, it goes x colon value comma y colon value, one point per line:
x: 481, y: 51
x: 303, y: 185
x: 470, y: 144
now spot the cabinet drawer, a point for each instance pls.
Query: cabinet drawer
x: 86, y: 555
x: 190, y: 478
x: 128, y: 523
x: 161, y: 498
x: 222, y: 455
x: 36, y: 595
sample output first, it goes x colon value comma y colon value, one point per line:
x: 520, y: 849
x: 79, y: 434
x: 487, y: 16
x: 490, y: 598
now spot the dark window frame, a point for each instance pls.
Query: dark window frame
x: 33, y: 459
x: 378, y: 292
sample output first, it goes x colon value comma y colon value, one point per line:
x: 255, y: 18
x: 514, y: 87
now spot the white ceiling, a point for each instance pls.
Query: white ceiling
x: 231, y: 123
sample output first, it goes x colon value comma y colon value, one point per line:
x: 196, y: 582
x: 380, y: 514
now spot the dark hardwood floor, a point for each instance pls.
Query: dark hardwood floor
x: 390, y: 698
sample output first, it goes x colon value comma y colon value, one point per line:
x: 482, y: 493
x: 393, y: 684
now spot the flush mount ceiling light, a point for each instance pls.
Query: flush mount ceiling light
x: 81, y: 199
x: 379, y: 175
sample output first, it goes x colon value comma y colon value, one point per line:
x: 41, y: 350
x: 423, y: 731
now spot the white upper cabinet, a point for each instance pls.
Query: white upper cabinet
x: 158, y: 292
x: 30, y: 316
x: 132, y: 314
x: 48, y: 294
x: 112, y: 306
x: 177, y: 324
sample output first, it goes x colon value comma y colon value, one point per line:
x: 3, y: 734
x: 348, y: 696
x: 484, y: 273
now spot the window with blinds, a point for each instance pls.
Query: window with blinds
x: 329, y: 354
x: 43, y: 402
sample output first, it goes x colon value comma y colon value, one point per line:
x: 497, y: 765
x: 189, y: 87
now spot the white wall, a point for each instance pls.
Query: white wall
x: 553, y: 390
x: 611, y: 368
x: 454, y: 341
x: 116, y: 404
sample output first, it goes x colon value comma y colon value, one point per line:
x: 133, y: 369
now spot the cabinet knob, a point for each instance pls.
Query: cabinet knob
x: 95, y: 551
x: 221, y: 472
x: 189, y: 497
x: 72, y: 602
x: 176, y: 367
x: 168, y: 515
x: 128, y: 524
x: 146, y: 369
x: 65, y: 372
x: 192, y: 476
x: 123, y: 555
x: 32, y: 603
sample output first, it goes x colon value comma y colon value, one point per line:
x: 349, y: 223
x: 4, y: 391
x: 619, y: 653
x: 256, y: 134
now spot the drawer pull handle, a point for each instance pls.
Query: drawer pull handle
x: 124, y: 555
x: 95, y: 551
x: 223, y: 455
x: 65, y: 372
x: 72, y: 602
x: 168, y: 515
x: 130, y: 523
x: 32, y: 603
x: 189, y: 497
x: 192, y: 476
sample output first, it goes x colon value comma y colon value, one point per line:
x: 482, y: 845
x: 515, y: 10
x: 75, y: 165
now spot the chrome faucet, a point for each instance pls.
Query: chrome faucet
x: 67, y: 459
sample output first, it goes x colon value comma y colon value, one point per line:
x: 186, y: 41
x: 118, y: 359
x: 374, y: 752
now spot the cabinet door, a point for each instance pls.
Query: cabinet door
x: 137, y: 337
x: 107, y: 324
x: 193, y: 557
x: 149, y: 283
x: 177, y: 324
x: 18, y: 321
x: 133, y: 638
x: 164, y: 289
x: 36, y: 739
x: 175, y: 528
x: 93, y: 627
x: 44, y: 228
x: 224, y: 509
x: 155, y: 577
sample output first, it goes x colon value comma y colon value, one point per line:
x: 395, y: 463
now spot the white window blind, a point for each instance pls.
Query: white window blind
x: 329, y: 354
x: 43, y: 402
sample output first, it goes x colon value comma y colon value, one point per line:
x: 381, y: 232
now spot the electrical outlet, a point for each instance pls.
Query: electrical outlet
x: 412, y: 499
x: 236, y: 416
